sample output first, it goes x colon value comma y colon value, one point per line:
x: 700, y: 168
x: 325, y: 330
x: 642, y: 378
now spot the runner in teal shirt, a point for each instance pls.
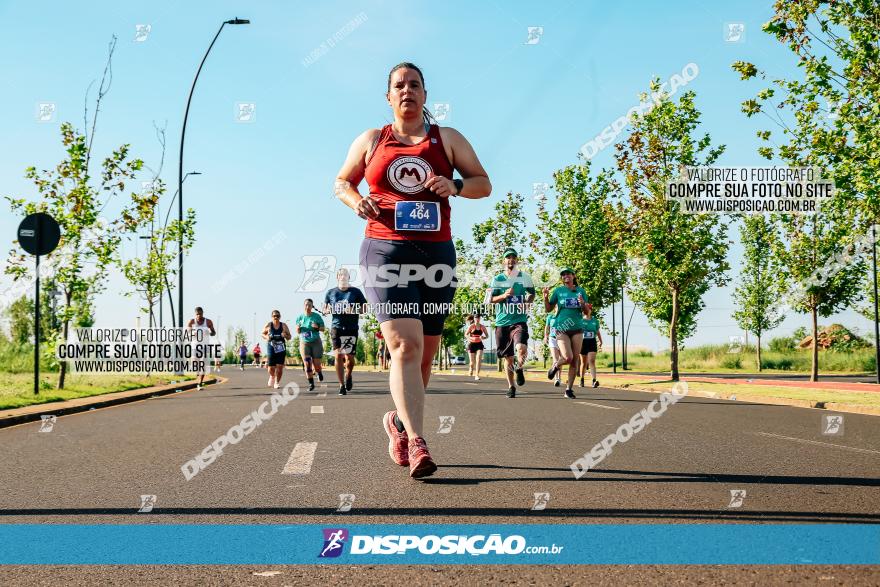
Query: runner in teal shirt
x: 309, y: 326
x: 591, y: 343
x: 512, y: 291
x: 569, y: 300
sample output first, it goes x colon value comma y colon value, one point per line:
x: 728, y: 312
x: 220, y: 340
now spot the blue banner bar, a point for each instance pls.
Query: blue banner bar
x: 641, y: 544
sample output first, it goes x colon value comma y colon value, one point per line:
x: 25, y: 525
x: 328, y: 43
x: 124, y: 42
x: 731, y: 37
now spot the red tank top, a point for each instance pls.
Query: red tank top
x: 396, y: 172
x: 475, y: 333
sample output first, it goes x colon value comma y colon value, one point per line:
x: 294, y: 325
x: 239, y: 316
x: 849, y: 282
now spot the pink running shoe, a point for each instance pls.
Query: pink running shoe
x: 397, y: 441
x: 420, y: 462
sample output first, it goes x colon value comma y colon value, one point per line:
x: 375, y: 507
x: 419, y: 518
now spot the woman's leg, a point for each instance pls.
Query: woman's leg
x: 563, y: 345
x: 407, y: 379
x: 479, y: 359
x: 473, y: 363
x: 575, y: 340
x: 591, y: 358
x: 307, y: 360
x: 429, y: 351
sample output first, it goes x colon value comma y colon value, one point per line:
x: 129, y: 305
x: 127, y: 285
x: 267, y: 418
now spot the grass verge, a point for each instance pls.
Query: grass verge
x: 17, y: 389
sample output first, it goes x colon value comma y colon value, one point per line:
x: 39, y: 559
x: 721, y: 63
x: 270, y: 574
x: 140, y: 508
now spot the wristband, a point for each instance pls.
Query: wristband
x: 459, y: 184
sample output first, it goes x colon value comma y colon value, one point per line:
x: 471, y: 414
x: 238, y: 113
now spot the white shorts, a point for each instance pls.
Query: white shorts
x: 552, y: 342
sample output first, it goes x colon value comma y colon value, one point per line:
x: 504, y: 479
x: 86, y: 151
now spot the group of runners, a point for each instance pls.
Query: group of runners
x: 571, y: 332
x: 344, y: 303
x: 408, y: 166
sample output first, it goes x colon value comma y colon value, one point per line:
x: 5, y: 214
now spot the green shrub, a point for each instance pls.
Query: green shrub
x: 782, y: 344
x: 732, y: 361
x: 783, y: 364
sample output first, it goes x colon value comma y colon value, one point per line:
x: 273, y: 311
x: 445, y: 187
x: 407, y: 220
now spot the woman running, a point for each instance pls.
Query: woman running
x: 408, y: 166
x: 589, y: 349
x: 309, y: 326
x: 276, y: 333
x: 475, y: 333
x: 569, y: 299
x: 242, y: 355
x: 257, y: 354
x: 550, y: 341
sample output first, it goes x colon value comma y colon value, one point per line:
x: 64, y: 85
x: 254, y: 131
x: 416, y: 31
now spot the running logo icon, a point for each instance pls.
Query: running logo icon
x: 141, y: 32
x: 346, y: 500
x: 408, y: 174
x: 334, y: 540
x: 446, y: 423
x: 47, y: 422
x: 317, y: 273
x: 734, y: 32
x: 346, y: 345
x: 147, y: 503
x: 541, y: 501
x: 832, y: 425
x: 737, y: 496
x: 535, y: 33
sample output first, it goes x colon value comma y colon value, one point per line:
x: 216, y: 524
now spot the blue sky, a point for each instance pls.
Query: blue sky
x: 526, y: 108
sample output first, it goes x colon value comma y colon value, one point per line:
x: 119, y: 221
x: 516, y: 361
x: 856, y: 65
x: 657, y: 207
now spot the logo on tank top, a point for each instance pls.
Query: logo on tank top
x: 408, y: 174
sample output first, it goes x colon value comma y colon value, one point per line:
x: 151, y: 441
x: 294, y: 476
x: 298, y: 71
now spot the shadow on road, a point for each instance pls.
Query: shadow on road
x: 570, y: 513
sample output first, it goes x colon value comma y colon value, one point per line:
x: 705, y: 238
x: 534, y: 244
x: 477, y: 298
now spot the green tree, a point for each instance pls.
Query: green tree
x: 506, y: 228
x: 20, y: 314
x: 759, y: 293
x: 678, y: 256
x: 88, y: 242
x: 370, y: 326
x: 579, y: 232
x: 827, y: 118
x: 239, y: 337
x: 820, y: 286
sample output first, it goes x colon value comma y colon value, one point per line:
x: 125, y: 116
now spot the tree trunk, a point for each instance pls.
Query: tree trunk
x: 673, y: 337
x: 814, y: 371
x: 759, y: 352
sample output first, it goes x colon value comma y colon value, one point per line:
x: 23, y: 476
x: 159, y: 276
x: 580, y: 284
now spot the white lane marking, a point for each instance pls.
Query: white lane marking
x: 863, y: 450
x: 300, y: 461
x: 598, y: 405
x: 317, y: 409
x: 322, y: 394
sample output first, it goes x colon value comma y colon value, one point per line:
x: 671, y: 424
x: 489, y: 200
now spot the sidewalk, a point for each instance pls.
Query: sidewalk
x: 31, y: 413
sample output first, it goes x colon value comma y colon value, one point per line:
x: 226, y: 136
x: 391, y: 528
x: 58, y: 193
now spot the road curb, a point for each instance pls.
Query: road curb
x: 16, y: 416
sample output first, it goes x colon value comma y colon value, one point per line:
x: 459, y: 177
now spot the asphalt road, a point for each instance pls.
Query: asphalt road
x: 93, y: 467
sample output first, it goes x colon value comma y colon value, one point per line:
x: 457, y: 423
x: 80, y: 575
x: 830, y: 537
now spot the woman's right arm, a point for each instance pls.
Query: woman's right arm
x: 352, y: 173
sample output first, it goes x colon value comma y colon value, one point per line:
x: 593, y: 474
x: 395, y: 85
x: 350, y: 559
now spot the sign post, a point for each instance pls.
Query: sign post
x: 38, y: 234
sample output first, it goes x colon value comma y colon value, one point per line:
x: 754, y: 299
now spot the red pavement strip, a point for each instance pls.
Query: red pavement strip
x: 15, y: 416
x: 831, y: 385
x: 800, y: 403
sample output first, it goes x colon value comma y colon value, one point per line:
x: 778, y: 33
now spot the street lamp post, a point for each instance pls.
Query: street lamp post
x: 164, y: 228
x: 876, y: 318
x: 180, y: 170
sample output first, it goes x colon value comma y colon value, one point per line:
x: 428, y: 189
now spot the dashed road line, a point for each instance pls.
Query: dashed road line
x: 300, y: 461
x: 816, y: 442
x: 598, y: 405
x: 317, y: 409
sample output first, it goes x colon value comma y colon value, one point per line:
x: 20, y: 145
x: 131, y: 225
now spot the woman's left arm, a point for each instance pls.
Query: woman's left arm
x: 465, y: 161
